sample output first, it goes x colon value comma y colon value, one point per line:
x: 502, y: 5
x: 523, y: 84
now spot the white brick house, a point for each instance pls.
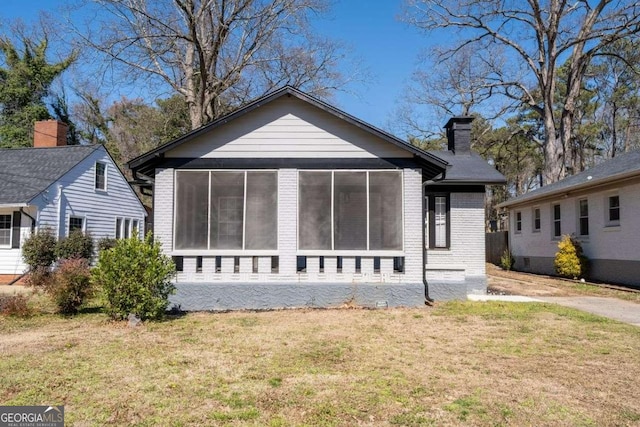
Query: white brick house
x: 291, y: 202
x: 599, y: 207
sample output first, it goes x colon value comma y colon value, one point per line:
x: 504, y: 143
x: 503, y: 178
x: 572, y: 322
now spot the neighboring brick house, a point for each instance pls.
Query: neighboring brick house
x: 291, y: 202
x: 599, y: 206
x: 62, y: 188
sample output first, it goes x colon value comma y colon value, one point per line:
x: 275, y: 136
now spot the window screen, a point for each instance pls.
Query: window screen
x: 262, y: 213
x: 75, y: 223
x: 350, y: 210
x: 584, y: 217
x: 314, y: 210
x: 385, y: 211
x: 192, y: 197
x: 614, y: 208
x: 557, y: 231
x: 227, y: 209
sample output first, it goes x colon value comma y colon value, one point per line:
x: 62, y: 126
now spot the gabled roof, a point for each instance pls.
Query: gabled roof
x: 144, y: 162
x: 623, y: 166
x: 27, y: 172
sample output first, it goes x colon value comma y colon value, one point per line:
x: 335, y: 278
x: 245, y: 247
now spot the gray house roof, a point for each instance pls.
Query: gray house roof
x: 26, y: 172
x: 623, y: 166
x: 468, y: 169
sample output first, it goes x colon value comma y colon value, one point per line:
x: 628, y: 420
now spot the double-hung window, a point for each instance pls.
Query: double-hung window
x: 536, y: 220
x: 76, y: 223
x: 233, y: 210
x: 557, y: 222
x: 518, y: 222
x: 583, y: 217
x: 350, y: 210
x: 438, y: 221
x: 613, y: 211
x: 5, y: 231
x: 101, y: 176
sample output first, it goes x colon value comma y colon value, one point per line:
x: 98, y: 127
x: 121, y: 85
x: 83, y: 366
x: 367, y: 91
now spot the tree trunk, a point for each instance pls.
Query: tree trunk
x: 553, y: 151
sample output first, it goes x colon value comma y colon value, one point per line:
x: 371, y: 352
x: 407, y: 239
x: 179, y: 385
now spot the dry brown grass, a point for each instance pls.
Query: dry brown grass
x: 456, y: 364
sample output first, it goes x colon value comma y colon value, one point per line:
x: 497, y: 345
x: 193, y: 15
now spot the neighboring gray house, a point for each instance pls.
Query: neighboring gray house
x: 599, y: 206
x: 63, y: 188
x: 291, y: 202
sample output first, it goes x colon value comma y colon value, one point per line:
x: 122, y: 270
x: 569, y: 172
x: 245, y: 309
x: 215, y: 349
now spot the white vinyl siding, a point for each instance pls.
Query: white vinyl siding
x: 79, y: 198
x: 288, y: 128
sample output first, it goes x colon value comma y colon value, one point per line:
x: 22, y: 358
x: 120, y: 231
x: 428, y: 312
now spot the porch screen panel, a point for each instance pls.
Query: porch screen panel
x: 350, y: 210
x: 385, y: 211
x: 262, y: 213
x: 192, y: 195
x: 227, y: 210
x: 314, y: 210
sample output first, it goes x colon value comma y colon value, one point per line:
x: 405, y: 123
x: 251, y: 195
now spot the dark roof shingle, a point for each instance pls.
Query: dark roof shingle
x: 618, y: 167
x: 26, y: 172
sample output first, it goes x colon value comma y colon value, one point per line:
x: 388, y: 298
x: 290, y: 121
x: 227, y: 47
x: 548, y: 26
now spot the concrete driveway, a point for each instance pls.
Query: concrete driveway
x: 613, y: 308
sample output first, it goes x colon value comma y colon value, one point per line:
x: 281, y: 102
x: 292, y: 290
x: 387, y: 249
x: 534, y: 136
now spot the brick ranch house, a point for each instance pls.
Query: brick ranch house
x: 290, y: 202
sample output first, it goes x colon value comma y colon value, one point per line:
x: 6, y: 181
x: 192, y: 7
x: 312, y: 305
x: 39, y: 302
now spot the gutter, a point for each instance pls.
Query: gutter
x: 428, y: 299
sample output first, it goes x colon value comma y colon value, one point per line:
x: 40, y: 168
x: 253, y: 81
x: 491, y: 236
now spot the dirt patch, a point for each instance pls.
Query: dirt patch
x: 503, y: 282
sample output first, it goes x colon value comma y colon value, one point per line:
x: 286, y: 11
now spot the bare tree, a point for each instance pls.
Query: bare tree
x: 217, y: 54
x: 541, y: 35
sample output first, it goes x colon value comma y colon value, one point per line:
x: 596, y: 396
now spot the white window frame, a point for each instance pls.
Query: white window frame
x: 349, y: 252
x: 535, y: 229
x: 581, y: 217
x: 95, y: 176
x: 226, y: 252
x: 10, y: 215
x: 554, y: 220
x: 607, y: 211
x: 83, y: 218
x: 517, y: 222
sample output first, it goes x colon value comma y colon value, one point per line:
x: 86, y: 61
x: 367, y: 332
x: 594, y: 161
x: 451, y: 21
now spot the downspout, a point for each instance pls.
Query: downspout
x: 60, y: 220
x: 33, y: 224
x: 428, y: 299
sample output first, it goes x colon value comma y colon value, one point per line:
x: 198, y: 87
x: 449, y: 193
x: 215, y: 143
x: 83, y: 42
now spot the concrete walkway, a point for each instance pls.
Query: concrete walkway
x: 613, y: 308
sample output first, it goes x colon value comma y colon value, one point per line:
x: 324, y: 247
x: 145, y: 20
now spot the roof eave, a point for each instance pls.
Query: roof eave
x: 572, y: 189
x: 140, y: 161
x: 14, y: 205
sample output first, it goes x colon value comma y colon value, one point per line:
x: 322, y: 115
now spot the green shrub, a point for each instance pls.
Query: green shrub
x: 14, y: 305
x: 570, y: 261
x: 507, y: 260
x: 135, y: 277
x: 76, y: 245
x: 70, y: 285
x: 106, y: 243
x: 39, y: 250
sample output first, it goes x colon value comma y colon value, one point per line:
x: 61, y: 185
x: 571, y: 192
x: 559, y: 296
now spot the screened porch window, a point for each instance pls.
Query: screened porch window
x: 359, y: 210
x: 226, y: 210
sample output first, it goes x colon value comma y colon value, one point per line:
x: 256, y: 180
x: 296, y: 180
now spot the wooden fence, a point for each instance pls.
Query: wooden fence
x: 496, y: 244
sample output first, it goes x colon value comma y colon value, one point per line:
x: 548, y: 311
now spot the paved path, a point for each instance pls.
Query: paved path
x: 613, y: 308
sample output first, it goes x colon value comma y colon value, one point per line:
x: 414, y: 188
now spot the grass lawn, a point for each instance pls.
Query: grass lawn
x: 456, y: 364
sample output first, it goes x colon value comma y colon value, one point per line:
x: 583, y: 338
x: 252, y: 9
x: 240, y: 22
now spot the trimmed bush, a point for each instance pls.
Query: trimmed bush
x: 570, y: 261
x: 507, y: 260
x: 76, y: 245
x: 39, y: 250
x: 70, y: 285
x: 135, y: 278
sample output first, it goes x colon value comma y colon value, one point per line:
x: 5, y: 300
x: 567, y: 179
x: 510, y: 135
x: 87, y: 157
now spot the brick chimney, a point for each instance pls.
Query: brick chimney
x: 459, y: 134
x: 49, y: 133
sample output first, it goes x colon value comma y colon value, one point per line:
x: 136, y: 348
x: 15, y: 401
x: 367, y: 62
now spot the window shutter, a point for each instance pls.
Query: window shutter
x: 15, y: 239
